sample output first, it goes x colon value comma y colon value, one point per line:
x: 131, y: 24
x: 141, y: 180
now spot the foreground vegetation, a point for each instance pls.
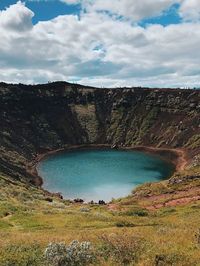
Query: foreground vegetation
x: 156, y: 225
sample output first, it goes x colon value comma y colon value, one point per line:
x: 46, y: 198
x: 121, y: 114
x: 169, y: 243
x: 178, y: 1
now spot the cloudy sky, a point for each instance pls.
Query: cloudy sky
x: 106, y: 43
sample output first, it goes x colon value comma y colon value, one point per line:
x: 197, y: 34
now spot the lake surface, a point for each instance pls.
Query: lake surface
x: 100, y: 174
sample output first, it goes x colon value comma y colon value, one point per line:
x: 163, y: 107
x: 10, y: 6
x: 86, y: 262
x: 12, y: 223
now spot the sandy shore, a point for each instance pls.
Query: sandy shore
x: 177, y: 157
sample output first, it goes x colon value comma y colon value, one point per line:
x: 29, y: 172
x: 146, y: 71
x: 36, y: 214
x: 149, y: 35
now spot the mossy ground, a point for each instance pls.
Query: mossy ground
x: 169, y: 235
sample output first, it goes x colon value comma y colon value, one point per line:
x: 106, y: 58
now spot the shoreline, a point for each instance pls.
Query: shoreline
x: 177, y: 157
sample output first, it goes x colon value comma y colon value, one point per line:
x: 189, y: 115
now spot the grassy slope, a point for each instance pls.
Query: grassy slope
x: 28, y: 222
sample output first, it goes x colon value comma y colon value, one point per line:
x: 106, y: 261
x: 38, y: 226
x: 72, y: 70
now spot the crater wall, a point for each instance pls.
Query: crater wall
x: 37, y: 119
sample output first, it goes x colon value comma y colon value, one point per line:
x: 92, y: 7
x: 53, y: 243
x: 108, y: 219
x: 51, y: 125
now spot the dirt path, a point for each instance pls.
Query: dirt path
x: 113, y: 207
x: 177, y: 198
x: 182, y: 159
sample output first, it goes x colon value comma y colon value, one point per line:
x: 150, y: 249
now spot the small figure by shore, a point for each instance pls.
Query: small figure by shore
x: 102, y: 202
x: 78, y: 200
x: 114, y: 146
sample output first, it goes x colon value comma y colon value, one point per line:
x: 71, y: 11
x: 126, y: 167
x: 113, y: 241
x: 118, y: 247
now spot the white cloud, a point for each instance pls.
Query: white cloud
x: 71, y: 2
x: 190, y: 10
x: 97, y: 49
x: 17, y: 17
x: 135, y: 10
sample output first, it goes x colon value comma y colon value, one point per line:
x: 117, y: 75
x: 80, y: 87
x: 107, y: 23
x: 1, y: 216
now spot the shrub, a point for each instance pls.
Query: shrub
x: 22, y: 254
x: 74, y: 254
x: 122, y: 249
x: 174, y: 259
x: 197, y: 236
x: 141, y: 213
x: 124, y: 224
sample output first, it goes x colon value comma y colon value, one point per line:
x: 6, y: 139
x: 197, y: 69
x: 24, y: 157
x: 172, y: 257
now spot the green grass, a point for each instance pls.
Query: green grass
x: 166, y: 234
x: 194, y: 142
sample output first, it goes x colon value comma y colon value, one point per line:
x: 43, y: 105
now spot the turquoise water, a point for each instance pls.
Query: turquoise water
x: 100, y: 174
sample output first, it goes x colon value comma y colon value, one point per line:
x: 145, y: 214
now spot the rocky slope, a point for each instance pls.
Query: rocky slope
x: 37, y: 119
x: 158, y: 224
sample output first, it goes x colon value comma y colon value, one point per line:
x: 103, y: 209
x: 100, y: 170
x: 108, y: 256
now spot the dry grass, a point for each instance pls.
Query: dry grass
x: 166, y: 236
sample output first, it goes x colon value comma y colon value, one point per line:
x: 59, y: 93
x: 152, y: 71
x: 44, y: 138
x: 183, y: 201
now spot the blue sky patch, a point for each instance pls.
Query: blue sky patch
x: 169, y: 16
x: 45, y: 10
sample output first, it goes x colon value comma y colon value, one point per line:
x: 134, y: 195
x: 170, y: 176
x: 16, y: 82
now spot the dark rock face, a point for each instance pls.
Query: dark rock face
x: 37, y: 119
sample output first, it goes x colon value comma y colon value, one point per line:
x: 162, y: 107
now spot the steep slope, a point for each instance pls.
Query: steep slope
x: 37, y: 119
